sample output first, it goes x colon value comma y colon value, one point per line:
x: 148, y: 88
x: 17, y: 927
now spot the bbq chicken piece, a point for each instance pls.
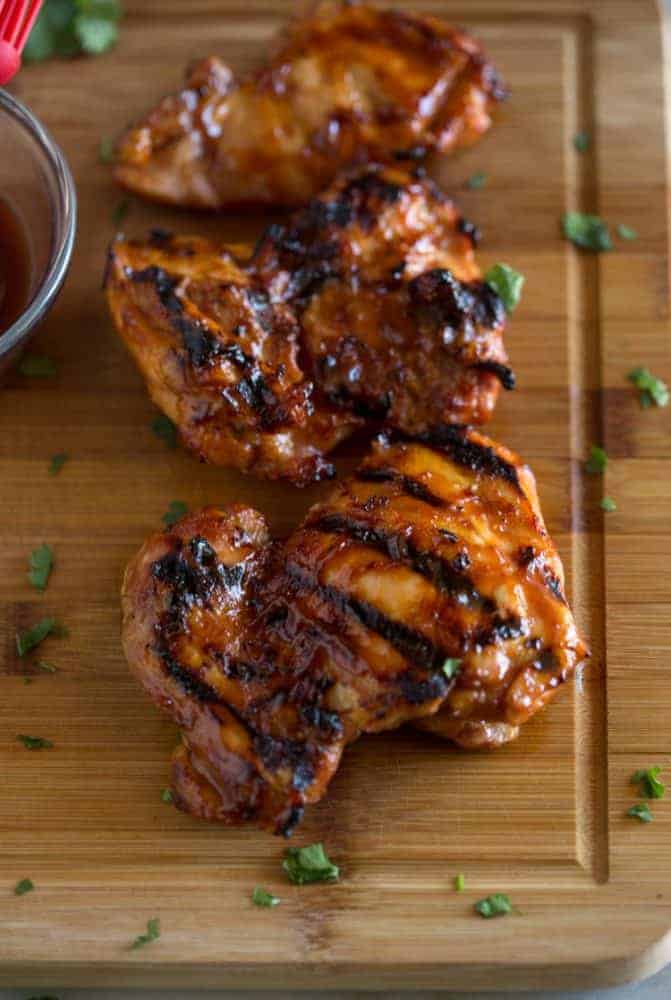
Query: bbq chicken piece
x: 366, y: 306
x: 424, y: 590
x: 349, y: 84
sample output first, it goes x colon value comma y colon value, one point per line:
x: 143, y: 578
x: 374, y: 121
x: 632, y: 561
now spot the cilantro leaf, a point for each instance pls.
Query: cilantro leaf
x: 652, y: 390
x: 34, y: 742
x: 459, y: 882
x: 120, y: 211
x: 496, y: 905
x: 587, y: 231
x: 476, y: 180
x: 34, y: 366
x: 152, y: 933
x: 261, y: 897
x: 582, y: 141
x: 309, y: 864
x: 597, y: 461
x: 166, y: 795
x: 625, y: 232
x: 164, y: 429
x: 608, y: 504
x: 641, y: 811
x: 57, y: 462
x: 24, y: 886
x: 650, y: 787
x: 175, y: 511
x: 451, y: 667
x: 25, y: 641
x: 41, y: 563
x: 106, y: 150
x: 69, y: 27
x: 95, y: 34
x: 507, y: 283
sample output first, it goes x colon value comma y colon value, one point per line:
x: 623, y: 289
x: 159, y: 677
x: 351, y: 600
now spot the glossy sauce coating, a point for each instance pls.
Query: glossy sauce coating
x: 272, y: 657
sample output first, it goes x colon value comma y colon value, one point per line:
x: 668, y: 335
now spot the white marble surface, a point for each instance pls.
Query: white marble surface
x: 656, y: 988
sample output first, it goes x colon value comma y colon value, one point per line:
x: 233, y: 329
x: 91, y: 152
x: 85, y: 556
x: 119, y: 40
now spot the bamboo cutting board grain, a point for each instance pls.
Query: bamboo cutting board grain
x: 543, y: 819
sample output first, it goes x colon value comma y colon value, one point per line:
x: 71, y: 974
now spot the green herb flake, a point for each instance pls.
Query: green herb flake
x: 496, y: 905
x: 164, y: 429
x: 641, y: 812
x: 597, y: 461
x: 27, y: 680
x: 582, y: 141
x: 152, y: 933
x: 25, y: 641
x: 451, y: 667
x: 48, y: 668
x: 35, y: 742
x: 41, y: 563
x: 36, y: 366
x: 608, y: 504
x: 106, y: 150
x: 507, y: 283
x: 587, y: 231
x: 459, y: 882
x: 625, y: 232
x: 650, y: 787
x: 309, y: 864
x: 120, y: 211
x: 57, y: 462
x: 175, y: 511
x: 476, y: 181
x: 24, y: 886
x: 66, y: 28
x: 261, y: 897
x: 166, y: 795
x: 652, y: 391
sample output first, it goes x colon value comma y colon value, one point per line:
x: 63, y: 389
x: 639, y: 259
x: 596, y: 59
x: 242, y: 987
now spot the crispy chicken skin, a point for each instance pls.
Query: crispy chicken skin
x: 273, y: 656
x: 348, y: 84
x: 367, y: 305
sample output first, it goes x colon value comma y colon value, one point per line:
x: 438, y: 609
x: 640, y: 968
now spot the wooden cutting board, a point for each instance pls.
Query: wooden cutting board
x: 543, y: 819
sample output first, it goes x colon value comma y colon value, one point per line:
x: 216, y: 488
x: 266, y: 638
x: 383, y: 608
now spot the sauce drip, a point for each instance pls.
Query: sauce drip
x: 15, y: 267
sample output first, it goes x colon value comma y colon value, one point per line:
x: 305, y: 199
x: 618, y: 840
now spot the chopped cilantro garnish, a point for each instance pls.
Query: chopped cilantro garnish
x: 587, y: 231
x: 641, y: 811
x: 27, y: 680
x: 597, y: 461
x: 35, y: 742
x: 106, y: 150
x: 493, y: 906
x: 166, y: 795
x: 625, y: 232
x: 152, y: 933
x: 41, y: 562
x: 476, y: 180
x: 24, y: 886
x: 582, y: 141
x: 608, y: 504
x: 57, y: 462
x: 36, y: 366
x: 25, y: 641
x: 176, y: 510
x: 459, y: 882
x: 650, y: 787
x: 451, y: 667
x: 67, y: 28
x: 652, y: 390
x: 120, y: 211
x: 309, y: 864
x: 507, y: 282
x: 164, y: 429
x: 261, y: 897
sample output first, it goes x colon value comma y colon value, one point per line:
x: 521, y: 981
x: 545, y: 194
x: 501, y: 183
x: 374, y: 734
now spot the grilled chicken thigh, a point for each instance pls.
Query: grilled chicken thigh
x: 367, y: 305
x: 349, y: 84
x: 425, y: 589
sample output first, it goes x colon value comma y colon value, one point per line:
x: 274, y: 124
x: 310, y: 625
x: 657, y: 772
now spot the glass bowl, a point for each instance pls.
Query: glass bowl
x: 36, y: 182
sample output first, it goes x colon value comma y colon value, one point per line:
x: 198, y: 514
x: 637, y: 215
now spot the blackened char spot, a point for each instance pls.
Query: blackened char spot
x: 287, y: 825
x: 417, y: 690
x: 505, y: 375
x: 413, y: 487
x: 457, y: 303
x: 191, y: 684
x: 327, y: 723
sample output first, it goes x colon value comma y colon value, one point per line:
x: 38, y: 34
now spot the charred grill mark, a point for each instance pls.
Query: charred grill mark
x: 188, y: 681
x: 412, y: 487
x: 500, y: 630
x: 443, y: 574
x: 412, y: 645
x: 459, y: 304
x: 528, y: 557
x: 454, y: 442
x: 417, y: 690
x: 286, y: 826
x: 285, y: 753
x: 505, y: 375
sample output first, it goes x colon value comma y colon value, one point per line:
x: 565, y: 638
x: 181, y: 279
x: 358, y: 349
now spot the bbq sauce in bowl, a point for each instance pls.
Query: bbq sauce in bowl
x: 15, y: 267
